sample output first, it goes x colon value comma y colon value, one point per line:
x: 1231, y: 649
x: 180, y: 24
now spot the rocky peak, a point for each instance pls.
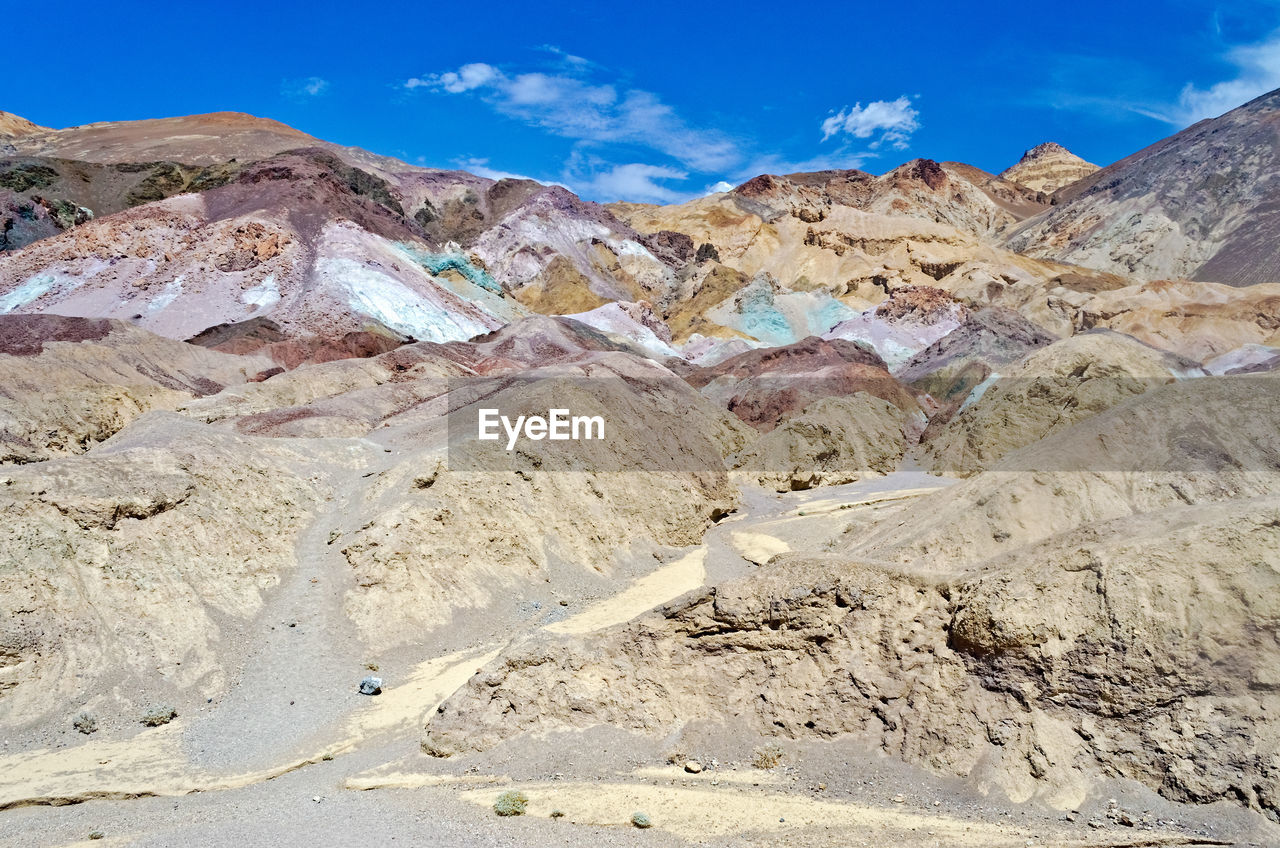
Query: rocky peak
x: 12, y: 126
x: 1048, y: 167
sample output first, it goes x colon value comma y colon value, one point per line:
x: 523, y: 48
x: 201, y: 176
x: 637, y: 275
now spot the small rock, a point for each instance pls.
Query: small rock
x: 371, y: 686
x: 97, y: 834
x: 693, y: 767
x: 898, y: 799
x: 564, y: 603
x: 316, y: 798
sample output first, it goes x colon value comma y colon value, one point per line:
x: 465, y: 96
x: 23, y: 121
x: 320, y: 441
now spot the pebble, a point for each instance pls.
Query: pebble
x: 371, y: 686
x: 693, y: 767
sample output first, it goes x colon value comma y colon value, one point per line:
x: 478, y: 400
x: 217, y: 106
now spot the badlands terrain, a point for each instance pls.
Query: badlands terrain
x: 934, y: 507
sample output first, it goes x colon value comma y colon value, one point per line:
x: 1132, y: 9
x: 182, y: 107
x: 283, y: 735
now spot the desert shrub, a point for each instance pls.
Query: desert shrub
x: 157, y: 716
x: 511, y: 803
x: 767, y: 756
x: 557, y: 814
x: 86, y: 723
x: 641, y: 820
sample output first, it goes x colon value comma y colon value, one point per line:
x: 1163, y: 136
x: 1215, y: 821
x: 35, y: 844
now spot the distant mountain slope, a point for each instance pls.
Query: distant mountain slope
x: 190, y: 139
x: 1203, y: 204
x: 183, y: 224
x: 13, y: 126
x: 1048, y: 167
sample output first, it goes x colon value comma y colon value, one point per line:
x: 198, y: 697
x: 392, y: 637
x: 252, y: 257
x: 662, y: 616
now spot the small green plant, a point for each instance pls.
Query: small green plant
x: 641, y: 820
x: 86, y: 723
x: 327, y: 757
x: 767, y: 756
x: 557, y: 814
x: 511, y: 803
x: 97, y: 834
x: 371, y: 666
x: 157, y: 716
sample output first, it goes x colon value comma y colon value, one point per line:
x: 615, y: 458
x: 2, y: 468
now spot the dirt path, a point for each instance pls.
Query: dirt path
x: 299, y: 679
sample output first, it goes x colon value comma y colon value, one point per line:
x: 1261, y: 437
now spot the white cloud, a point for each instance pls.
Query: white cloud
x: 719, y: 187
x: 468, y: 77
x: 570, y: 105
x: 1257, y: 71
x: 636, y: 182
x: 888, y: 121
x: 308, y: 87
x: 480, y: 167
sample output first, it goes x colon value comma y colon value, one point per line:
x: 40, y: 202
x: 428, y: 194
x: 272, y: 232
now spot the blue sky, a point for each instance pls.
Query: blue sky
x: 658, y: 101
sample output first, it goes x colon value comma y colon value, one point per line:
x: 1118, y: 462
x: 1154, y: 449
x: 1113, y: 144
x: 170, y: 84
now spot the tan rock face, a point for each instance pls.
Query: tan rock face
x: 1028, y: 663
x: 130, y: 565
x: 1048, y: 390
x: 13, y: 126
x: 71, y: 383
x: 1048, y: 167
x: 458, y: 531
x: 832, y: 441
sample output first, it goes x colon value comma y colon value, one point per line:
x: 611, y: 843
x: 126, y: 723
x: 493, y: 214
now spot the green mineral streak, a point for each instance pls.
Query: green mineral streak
x: 438, y: 263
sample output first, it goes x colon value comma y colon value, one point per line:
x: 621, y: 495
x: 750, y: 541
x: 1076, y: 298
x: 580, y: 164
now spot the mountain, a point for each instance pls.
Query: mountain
x: 1203, y: 204
x: 183, y: 224
x: 1048, y: 167
x: 14, y: 126
x: 890, y: 532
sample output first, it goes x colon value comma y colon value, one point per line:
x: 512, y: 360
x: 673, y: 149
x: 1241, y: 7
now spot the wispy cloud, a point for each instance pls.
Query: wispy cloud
x: 637, y: 182
x: 306, y: 87
x: 1257, y: 71
x: 631, y: 144
x: 573, y: 104
x: 886, y: 121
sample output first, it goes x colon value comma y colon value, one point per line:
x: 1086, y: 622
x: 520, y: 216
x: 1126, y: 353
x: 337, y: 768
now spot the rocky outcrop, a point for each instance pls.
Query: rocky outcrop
x: 1132, y: 634
x: 765, y: 387
x: 951, y: 368
x: 1046, y: 391
x: 907, y: 322
x: 128, y: 571
x: 831, y: 441
x: 72, y: 383
x: 13, y: 126
x: 1047, y: 168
